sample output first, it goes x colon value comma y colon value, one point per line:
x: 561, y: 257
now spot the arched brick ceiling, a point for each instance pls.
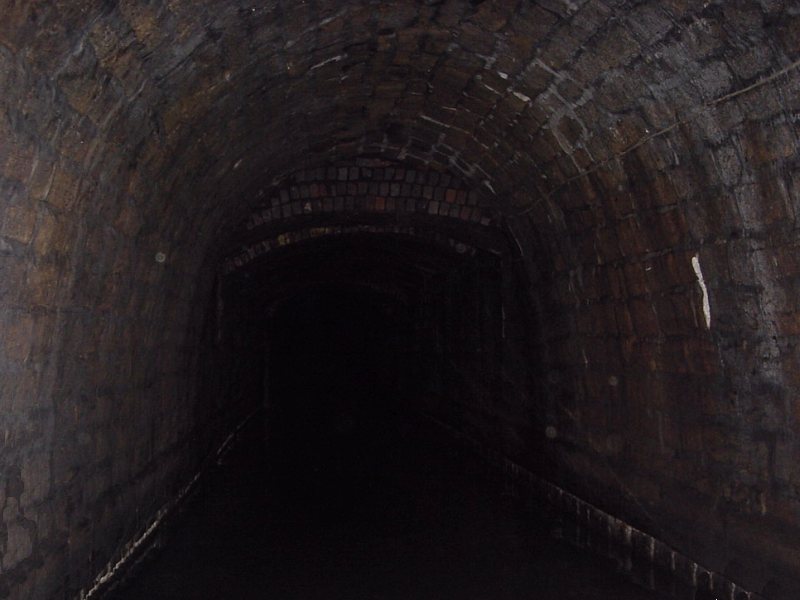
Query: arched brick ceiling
x: 369, y: 195
x: 606, y: 119
x: 214, y: 100
x: 549, y: 104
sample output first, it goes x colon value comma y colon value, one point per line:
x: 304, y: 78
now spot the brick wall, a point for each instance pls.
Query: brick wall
x: 607, y: 143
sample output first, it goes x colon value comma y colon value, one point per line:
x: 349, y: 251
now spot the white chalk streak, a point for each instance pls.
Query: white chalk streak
x: 329, y: 60
x: 706, y: 304
x: 522, y: 96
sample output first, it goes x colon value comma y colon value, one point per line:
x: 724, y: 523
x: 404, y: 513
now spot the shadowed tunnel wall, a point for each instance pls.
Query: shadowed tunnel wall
x: 617, y: 180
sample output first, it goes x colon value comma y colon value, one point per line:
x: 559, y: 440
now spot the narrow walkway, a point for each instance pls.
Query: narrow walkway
x: 374, y: 510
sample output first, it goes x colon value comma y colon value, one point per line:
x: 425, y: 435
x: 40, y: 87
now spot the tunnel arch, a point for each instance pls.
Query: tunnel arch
x: 629, y: 150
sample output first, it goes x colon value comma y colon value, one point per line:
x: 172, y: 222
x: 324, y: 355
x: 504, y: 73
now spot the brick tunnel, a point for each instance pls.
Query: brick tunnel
x: 564, y: 230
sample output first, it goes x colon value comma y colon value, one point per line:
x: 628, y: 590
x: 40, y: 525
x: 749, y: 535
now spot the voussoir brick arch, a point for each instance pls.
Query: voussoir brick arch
x: 370, y: 195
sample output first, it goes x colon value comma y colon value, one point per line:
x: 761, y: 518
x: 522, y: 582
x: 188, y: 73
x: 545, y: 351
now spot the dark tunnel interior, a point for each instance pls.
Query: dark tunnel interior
x: 339, y: 359
x: 341, y: 485
x: 530, y: 266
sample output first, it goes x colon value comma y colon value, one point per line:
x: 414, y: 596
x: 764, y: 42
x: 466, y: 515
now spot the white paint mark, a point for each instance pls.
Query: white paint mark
x: 434, y: 121
x: 519, y: 246
x: 706, y: 304
x: 502, y: 75
x: 522, y: 96
x: 336, y: 58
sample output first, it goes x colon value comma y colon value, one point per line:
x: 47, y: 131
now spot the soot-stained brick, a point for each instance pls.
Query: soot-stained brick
x: 607, y: 145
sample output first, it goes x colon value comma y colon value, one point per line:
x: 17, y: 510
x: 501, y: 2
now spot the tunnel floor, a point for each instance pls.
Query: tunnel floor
x: 377, y: 509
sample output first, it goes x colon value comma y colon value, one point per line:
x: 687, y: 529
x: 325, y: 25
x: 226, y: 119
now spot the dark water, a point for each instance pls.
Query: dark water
x: 374, y: 508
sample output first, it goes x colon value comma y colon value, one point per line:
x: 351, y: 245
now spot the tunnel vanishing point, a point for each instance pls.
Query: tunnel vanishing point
x: 585, y: 211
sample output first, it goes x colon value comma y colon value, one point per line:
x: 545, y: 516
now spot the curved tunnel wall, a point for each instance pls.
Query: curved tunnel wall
x: 630, y: 152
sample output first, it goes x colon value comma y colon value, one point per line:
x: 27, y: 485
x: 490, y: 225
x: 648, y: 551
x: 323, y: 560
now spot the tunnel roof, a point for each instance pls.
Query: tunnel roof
x: 176, y: 115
